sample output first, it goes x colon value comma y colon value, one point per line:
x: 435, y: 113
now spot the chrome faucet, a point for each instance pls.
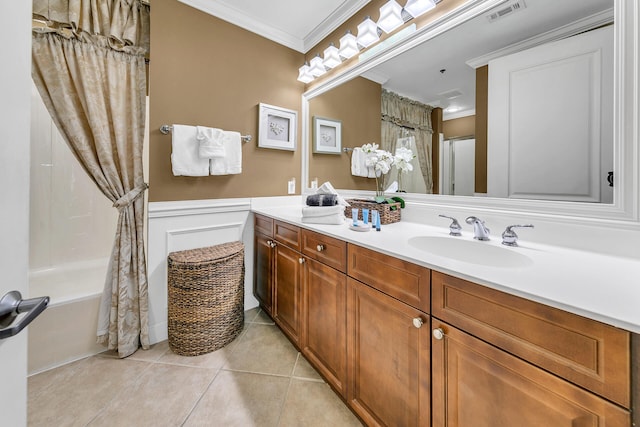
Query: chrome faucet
x: 480, y: 231
x: 509, y: 237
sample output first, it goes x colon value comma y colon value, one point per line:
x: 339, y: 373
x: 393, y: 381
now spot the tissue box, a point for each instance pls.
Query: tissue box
x: 387, y: 214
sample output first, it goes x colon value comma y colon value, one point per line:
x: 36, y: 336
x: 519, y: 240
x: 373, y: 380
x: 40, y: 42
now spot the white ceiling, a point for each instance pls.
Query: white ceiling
x: 298, y: 24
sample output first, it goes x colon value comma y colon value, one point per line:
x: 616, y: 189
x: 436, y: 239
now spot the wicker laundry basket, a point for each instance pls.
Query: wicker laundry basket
x: 205, y: 298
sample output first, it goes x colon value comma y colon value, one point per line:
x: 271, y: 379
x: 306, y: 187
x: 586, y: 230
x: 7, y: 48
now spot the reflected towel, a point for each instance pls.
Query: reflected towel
x: 185, y: 159
x: 358, y: 165
x: 211, y: 142
x: 231, y: 163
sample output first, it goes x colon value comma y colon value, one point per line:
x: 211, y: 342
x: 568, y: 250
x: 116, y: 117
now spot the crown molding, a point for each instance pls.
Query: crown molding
x: 331, y: 22
x: 237, y: 17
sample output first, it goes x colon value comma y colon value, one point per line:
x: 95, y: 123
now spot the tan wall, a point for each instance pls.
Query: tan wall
x: 482, y: 90
x: 357, y: 104
x: 208, y: 72
x: 436, y: 124
x: 458, y: 128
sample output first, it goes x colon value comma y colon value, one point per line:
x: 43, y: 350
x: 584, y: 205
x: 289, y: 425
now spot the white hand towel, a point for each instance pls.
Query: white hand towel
x: 323, y: 214
x: 358, y: 162
x: 371, y: 171
x: 185, y: 159
x: 318, y: 211
x: 231, y: 163
x: 329, y: 219
x: 211, y: 142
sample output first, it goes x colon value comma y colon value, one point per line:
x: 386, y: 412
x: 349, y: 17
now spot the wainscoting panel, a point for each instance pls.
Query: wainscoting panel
x: 182, y: 225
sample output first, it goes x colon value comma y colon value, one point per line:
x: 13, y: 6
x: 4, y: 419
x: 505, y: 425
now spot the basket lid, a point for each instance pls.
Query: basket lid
x: 209, y: 253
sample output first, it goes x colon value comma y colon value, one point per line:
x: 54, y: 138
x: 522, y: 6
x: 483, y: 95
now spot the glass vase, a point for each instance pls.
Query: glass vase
x: 379, y: 189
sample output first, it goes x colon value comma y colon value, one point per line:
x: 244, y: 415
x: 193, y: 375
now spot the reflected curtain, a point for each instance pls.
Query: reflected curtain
x: 399, y: 114
x: 88, y: 65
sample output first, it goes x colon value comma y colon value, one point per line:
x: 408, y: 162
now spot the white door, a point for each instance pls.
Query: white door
x: 15, y: 75
x: 550, y: 117
x: 464, y: 167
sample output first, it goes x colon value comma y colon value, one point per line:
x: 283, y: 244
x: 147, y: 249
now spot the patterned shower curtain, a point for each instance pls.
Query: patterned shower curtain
x: 88, y: 63
x: 399, y: 114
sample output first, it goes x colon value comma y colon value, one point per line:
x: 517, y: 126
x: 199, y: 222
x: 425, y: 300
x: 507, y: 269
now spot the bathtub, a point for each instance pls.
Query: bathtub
x: 66, y: 330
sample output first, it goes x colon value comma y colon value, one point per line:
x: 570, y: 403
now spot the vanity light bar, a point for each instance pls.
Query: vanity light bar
x: 392, y: 16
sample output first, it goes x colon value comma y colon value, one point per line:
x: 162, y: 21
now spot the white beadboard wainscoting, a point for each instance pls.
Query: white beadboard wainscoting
x: 181, y: 225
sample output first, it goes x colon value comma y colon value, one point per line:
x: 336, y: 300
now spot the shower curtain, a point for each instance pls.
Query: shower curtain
x: 88, y: 63
x: 400, y: 113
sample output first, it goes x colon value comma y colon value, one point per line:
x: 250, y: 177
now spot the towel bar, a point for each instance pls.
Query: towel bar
x: 165, y: 129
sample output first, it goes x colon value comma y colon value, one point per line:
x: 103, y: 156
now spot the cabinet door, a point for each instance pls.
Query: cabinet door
x: 287, y: 287
x: 263, y: 272
x: 476, y: 384
x: 389, y: 363
x: 324, y: 322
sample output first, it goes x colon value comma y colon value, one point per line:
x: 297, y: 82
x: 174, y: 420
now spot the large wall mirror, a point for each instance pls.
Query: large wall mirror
x: 439, y: 65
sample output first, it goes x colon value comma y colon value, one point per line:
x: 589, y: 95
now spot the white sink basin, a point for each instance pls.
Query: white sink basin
x: 471, y: 251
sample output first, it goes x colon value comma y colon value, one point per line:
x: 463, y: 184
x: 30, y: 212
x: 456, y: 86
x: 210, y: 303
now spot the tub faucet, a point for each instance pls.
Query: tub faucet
x: 480, y: 231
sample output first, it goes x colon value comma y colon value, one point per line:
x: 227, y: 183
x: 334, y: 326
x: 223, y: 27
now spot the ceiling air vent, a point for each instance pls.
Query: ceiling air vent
x: 450, y: 94
x: 507, y: 10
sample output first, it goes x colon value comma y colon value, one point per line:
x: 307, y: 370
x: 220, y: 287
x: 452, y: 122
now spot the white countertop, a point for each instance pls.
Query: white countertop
x: 600, y: 287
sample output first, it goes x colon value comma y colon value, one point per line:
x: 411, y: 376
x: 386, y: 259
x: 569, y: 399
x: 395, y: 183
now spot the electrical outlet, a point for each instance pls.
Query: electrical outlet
x: 291, y: 186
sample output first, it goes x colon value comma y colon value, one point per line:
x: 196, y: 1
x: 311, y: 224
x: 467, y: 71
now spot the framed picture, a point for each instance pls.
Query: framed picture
x: 327, y: 136
x: 278, y: 128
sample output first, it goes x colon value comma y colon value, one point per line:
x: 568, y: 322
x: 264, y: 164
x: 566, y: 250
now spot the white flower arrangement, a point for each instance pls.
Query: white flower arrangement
x: 402, y: 160
x: 381, y: 161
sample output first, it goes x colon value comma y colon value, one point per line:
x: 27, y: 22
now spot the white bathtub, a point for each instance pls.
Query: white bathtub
x: 66, y: 330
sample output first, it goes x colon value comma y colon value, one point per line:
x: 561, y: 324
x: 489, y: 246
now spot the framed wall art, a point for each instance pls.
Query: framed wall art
x: 327, y: 136
x: 277, y: 128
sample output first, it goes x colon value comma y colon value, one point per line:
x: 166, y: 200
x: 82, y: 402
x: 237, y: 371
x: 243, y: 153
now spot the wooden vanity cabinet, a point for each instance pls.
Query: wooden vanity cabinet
x: 586, y: 352
x: 388, y: 342
x: 477, y: 384
x: 389, y: 359
x: 304, y: 275
x: 287, y: 279
x: 324, y: 325
x: 503, y: 360
x: 263, y: 257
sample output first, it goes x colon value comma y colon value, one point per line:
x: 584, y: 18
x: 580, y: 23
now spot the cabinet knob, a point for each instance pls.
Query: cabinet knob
x: 320, y: 248
x: 301, y: 260
x: 418, y: 322
x: 438, y: 333
x: 271, y: 243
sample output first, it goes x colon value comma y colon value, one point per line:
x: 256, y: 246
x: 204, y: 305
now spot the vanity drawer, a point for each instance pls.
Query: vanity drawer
x: 586, y: 352
x: 287, y: 234
x: 327, y: 250
x: 408, y: 282
x: 264, y: 225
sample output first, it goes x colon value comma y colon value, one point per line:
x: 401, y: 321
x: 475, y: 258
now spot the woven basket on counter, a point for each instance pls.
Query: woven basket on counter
x: 205, y: 298
x: 388, y: 215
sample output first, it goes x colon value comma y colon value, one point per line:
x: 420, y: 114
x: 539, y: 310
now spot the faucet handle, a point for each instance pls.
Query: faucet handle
x: 454, y: 229
x: 509, y: 237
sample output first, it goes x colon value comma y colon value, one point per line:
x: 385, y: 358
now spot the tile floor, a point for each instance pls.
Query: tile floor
x: 259, y: 379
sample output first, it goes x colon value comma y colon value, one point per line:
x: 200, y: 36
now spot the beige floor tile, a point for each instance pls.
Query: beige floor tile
x: 304, y: 369
x: 72, y: 395
x: 241, y: 399
x: 213, y: 360
x: 163, y: 396
x: 314, y: 404
x: 155, y: 352
x: 250, y: 315
x: 264, y: 318
x: 263, y: 349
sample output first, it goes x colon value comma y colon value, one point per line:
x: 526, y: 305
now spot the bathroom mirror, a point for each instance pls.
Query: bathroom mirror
x: 459, y: 27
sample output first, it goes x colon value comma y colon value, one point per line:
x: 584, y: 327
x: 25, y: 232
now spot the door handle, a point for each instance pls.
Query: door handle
x: 11, y: 305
